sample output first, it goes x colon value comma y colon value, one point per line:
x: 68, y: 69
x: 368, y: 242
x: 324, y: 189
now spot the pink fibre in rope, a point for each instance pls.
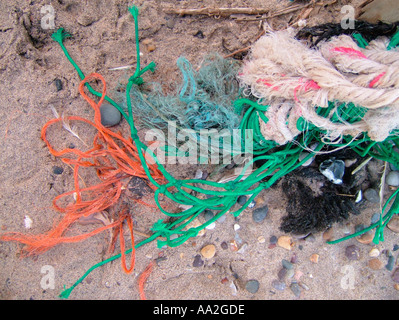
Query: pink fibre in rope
x: 376, y: 79
x: 350, y: 51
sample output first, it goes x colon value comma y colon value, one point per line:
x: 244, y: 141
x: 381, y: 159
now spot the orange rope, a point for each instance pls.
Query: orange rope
x: 114, y: 159
x: 143, y: 278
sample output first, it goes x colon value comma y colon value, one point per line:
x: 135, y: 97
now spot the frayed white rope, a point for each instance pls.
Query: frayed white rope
x: 294, y: 80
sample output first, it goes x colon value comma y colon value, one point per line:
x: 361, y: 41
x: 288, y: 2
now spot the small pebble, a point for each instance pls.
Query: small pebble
x: 233, y: 245
x: 260, y: 214
x: 199, y: 35
x: 211, y: 226
x: 302, y: 156
x: 208, y: 215
x: 365, y: 238
x: 314, y: 258
x: 392, y: 179
x: 296, y: 289
x: 110, y: 116
x: 278, y: 285
x: 252, y: 286
x: 333, y: 170
x: 395, y: 275
x: 261, y: 239
x: 282, y: 274
x: 350, y: 162
x: 198, y: 174
x: 294, y: 258
x: 375, y: 264
x: 375, y: 218
x: 222, y: 218
x: 396, y: 286
x: 352, y: 252
x: 57, y: 170
x: 285, y: 242
x: 224, y: 245
x: 393, y: 224
x: 395, y: 247
x: 286, y: 264
x: 236, y: 227
x: 242, y: 200
x: 252, y: 204
x: 328, y: 234
x: 304, y: 286
x: 58, y: 84
x: 290, y: 273
x: 208, y: 251
x: 198, y: 262
x: 372, y: 195
x: 374, y: 253
x: 391, y: 263
x: 273, y: 240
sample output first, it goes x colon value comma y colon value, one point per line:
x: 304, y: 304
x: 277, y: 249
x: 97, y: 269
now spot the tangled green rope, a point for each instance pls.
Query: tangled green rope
x: 278, y: 162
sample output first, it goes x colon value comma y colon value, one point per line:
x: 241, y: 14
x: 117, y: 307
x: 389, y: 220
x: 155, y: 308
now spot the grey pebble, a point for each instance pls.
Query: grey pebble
x: 242, y: 200
x: 393, y: 179
x: 375, y: 218
x: 395, y: 247
x: 110, y: 116
x: 252, y: 286
x: 290, y: 273
x: 278, y: 285
x: 282, y: 274
x: 259, y: 214
x: 222, y: 219
x: 208, y: 215
x: 296, y: 289
x: 57, y: 170
x: 198, y: 262
x: 58, y: 84
x: 372, y: 195
x: 287, y: 265
x: 391, y: 263
x: 224, y: 245
x: 273, y: 239
x: 352, y: 252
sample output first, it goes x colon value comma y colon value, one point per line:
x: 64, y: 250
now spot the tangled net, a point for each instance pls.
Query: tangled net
x: 304, y: 83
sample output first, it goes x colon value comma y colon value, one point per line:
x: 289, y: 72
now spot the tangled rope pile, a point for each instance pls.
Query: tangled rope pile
x: 295, y: 80
x: 302, y: 81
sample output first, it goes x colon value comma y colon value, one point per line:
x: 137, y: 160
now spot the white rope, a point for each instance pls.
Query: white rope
x: 295, y: 79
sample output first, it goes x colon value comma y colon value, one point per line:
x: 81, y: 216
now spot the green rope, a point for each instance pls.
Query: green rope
x: 278, y: 162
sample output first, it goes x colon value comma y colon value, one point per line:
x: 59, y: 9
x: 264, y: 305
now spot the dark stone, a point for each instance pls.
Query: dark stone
x: 110, y: 116
x: 352, y: 252
x: 138, y: 188
x: 259, y: 214
x: 242, y: 200
x: 57, y: 170
x: 252, y: 286
x: 58, y: 84
x: 198, y: 262
x: 199, y: 34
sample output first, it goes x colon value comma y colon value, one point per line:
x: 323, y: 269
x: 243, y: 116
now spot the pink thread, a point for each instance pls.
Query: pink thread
x: 266, y: 83
x: 310, y: 84
x: 376, y: 79
x: 350, y: 51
